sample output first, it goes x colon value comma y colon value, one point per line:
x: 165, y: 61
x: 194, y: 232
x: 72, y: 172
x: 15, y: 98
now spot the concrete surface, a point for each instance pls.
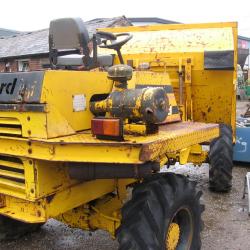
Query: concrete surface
x: 226, y: 220
x: 241, y: 107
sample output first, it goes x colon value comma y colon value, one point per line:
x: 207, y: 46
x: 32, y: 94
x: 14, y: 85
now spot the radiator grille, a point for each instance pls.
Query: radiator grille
x: 12, y: 173
x: 10, y: 126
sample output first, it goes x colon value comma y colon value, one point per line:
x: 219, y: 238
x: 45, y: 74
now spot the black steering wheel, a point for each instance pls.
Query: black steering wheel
x: 110, y: 41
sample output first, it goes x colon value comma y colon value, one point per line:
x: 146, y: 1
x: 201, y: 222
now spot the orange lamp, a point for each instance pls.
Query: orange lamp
x: 107, y: 128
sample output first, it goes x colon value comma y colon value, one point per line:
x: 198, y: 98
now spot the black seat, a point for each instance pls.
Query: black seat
x: 69, y: 45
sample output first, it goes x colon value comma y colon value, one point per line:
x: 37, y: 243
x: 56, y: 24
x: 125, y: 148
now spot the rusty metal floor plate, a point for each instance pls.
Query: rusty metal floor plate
x: 168, y: 133
x: 82, y: 147
x: 170, y: 138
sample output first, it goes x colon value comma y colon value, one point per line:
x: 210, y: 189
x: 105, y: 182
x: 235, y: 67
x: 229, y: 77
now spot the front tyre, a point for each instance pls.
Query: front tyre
x: 163, y: 213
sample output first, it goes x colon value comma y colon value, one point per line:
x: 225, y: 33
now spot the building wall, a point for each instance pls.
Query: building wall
x: 8, y: 66
x: 244, y: 44
x: 37, y: 63
x: 11, y: 65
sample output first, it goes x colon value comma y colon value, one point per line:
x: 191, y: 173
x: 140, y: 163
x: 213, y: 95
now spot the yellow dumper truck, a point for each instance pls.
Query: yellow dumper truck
x: 84, y: 142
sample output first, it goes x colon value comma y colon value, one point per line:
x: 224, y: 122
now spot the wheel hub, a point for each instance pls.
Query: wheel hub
x: 173, y: 236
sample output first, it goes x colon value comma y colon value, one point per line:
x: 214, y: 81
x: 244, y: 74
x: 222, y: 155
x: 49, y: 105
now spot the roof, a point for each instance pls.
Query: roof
x: 150, y: 20
x: 244, y: 38
x: 7, y: 32
x: 36, y: 42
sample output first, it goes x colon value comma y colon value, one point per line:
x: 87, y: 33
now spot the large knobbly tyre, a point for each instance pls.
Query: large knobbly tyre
x: 221, y: 161
x: 11, y: 229
x: 163, y: 213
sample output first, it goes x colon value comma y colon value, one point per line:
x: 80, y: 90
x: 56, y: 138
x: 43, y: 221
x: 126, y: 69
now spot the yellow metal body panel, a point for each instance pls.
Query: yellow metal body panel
x: 40, y: 210
x: 107, y: 214
x: 23, y: 210
x: 102, y: 214
x: 48, y: 182
x: 183, y: 155
x: 59, y: 117
x: 209, y: 95
x: 30, y: 124
x: 82, y: 147
x: 59, y: 89
x: 77, y: 217
x: 37, y: 186
x: 179, y: 136
x: 12, y: 177
x: 178, y: 38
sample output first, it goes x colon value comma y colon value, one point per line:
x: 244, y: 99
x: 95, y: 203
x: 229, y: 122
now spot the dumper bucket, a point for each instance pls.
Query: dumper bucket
x: 204, y: 56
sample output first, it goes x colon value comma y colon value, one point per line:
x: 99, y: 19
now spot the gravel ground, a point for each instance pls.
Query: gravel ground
x: 226, y: 220
x: 227, y: 225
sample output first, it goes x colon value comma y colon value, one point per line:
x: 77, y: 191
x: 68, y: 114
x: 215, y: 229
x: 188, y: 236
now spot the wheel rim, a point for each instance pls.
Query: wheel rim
x: 180, y: 231
x: 173, y: 236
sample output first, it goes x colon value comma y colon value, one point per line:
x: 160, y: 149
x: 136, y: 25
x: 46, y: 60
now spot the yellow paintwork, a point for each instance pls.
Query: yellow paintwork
x: 24, y: 210
x: 135, y: 129
x: 183, y: 155
x: 194, y: 154
x: 211, y: 93
x: 58, y: 91
x: 31, y: 124
x: 105, y: 214
x: 173, y: 236
x: 134, y: 149
x: 59, y: 118
x: 197, y: 155
x: 77, y: 217
x: 178, y: 37
x: 42, y: 189
x: 2, y: 200
x: 48, y: 183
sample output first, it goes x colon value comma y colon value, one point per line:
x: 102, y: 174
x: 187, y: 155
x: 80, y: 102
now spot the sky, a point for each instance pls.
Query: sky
x: 28, y: 15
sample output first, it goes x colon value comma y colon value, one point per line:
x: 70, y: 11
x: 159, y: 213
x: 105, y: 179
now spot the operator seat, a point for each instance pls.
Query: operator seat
x: 69, y: 45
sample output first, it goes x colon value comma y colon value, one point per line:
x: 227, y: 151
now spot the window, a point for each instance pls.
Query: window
x: 23, y: 65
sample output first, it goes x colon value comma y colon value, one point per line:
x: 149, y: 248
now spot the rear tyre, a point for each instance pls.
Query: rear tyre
x: 11, y: 229
x: 163, y: 213
x: 221, y: 161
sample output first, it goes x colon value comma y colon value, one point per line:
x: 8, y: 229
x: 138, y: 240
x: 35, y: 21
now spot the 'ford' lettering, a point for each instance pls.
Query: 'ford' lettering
x: 8, y: 88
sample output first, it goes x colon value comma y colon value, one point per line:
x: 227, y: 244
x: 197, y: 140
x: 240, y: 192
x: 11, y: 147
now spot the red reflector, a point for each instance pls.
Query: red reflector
x: 109, y: 128
x: 97, y: 127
